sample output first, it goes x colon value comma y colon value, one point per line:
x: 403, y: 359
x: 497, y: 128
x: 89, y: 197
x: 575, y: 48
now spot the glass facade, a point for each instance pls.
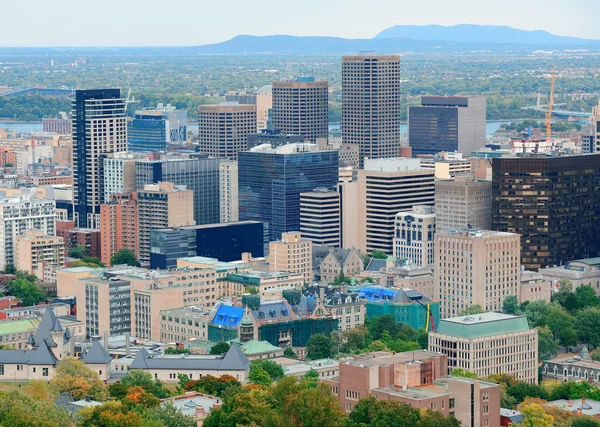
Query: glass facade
x: 552, y: 202
x: 147, y: 134
x: 167, y: 244
x: 270, y: 185
x: 199, y: 173
x: 433, y: 129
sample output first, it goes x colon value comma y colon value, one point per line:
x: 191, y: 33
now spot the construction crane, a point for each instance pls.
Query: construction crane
x: 550, y: 105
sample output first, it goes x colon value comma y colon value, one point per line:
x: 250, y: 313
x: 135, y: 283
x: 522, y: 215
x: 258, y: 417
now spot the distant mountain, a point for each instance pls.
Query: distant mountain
x: 467, y: 33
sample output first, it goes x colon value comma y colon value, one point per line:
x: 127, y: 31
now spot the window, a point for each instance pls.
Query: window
x: 44, y: 372
x: 451, y: 404
x: 1, y: 369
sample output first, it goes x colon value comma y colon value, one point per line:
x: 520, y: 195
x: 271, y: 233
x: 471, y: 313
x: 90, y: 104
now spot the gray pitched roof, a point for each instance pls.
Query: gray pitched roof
x: 139, y: 362
x: 96, y: 355
x: 48, y: 323
x: 376, y: 264
x: 42, y: 356
x: 10, y: 357
x: 319, y: 253
x: 56, y: 326
x: 235, y: 359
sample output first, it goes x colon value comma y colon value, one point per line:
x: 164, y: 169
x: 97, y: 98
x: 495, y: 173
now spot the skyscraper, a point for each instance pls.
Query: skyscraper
x: 152, y: 129
x: 99, y: 128
x: 198, y: 173
x: 590, y: 133
x: 415, y: 231
x: 223, y: 129
x: 446, y: 123
x: 461, y: 202
x: 320, y: 217
x: 301, y: 108
x: 371, y: 104
x: 271, y: 180
x: 553, y: 202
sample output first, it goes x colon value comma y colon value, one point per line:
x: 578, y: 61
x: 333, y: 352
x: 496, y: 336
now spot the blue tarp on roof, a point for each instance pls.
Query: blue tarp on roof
x: 376, y: 294
x: 228, y: 316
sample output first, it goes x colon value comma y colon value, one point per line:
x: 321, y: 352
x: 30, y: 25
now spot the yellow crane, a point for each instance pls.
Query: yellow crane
x: 550, y: 105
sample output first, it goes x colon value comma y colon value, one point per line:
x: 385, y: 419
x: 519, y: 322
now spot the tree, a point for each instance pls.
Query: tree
x: 587, y: 326
x: 78, y: 252
x: 535, y: 416
x: 460, y: 372
x: 20, y: 410
x: 289, y: 352
x: 274, y: 370
x: 562, y: 325
x: 536, y: 312
x: 474, y: 309
x: 259, y: 376
x: 29, y: 293
x: 377, y: 254
x: 520, y: 390
x: 379, y: 324
x: 142, y: 379
x: 319, y: 346
x: 109, y: 414
x: 595, y: 354
x: 219, y: 348
x: 177, y: 350
x: 586, y: 297
x: 510, y: 305
x: 547, y: 345
x: 168, y: 416
x: 92, y: 260
x: 583, y: 421
x: 213, y: 385
x: 10, y: 269
x: 74, y: 377
x: 124, y: 256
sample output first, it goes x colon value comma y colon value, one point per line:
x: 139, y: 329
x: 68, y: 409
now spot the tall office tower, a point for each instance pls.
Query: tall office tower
x: 153, y: 129
x: 198, y: 173
x: 320, y: 217
x: 552, y: 202
x: 590, y: 133
x: 21, y: 213
x: 228, y: 183
x: 264, y: 107
x: 119, y: 174
x: 371, y: 104
x: 446, y: 123
x: 461, y: 202
x: 223, y: 129
x: 99, y: 128
x: 301, y: 108
x: 271, y: 180
x: 292, y: 253
x: 475, y: 267
x: 118, y: 225
x: 162, y: 205
x: 382, y: 189
x: 415, y: 231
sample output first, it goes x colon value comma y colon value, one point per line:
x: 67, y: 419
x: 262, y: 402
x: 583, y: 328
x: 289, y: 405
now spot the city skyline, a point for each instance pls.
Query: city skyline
x: 198, y: 24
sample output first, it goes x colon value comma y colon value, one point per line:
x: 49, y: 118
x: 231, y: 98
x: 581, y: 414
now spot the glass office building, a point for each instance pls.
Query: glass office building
x: 199, y: 173
x: 147, y: 132
x: 271, y: 180
x: 553, y: 202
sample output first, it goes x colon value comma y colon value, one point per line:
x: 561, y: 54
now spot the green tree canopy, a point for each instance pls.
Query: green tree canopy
x: 474, y: 309
x: 319, y: 346
x: 78, y: 252
x: 547, y: 345
x: 510, y: 305
x: 29, y: 293
x: 259, y: 376
x: 124, y: 256
x: 20, y: 410
x: 587, y: 326
x: 219, y: 348
x: 274, y: 370
x: 562, y: 325
x: 289, y: 352
x: 377, y: 254
x: 142, y: 379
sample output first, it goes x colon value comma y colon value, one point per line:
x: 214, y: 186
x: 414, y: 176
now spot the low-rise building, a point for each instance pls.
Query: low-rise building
x: 326, y: 368
x: 329, y: 262
x: 534, y: 287
x: 581, y: 406
x: 572, y: 368
x: 185, y: 324
x: 488, y: 344
x: 578, y: 272
x: 194, y: 404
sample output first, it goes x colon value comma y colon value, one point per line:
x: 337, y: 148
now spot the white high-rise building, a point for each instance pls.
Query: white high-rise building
x: 414, y: 236
x: 228, y: 185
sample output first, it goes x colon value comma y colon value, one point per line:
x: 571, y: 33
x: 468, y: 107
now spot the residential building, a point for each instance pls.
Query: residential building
x: 381, y: 190
x: 198, y: 173
x: 292, y: 253
x: 228, y: 191
x: 35, y: 250
x: 99, y: 128
x: 475, y: 267
x: 320, y: 217
x: 551, y: 201
x: 224, y: 128
x: 578, y: 272
x: 447, y: 123
x: 161, y: 205
x: 166, y: 367
x: 590, y: 133
x: 414, y: 235
x: 225, y: 242
x: 489, y: 344
x: 271, y: 180
x: 407, y: 306
x: 20, y: 213
x: 85, y: 237
x: 118, y: 225
x: 119, y: 174
x: 462, y: 202
x: 329, y: 263
x: 371, y: 104
x: 301, y: 107
x: 274, y: 137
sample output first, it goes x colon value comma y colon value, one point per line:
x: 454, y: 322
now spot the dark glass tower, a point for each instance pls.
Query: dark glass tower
x: 553, y: 202
x: 270, y: 183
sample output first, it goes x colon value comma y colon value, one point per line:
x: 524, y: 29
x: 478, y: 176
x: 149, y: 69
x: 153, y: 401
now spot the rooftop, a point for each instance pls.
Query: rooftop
x: 19, y: 325
x: 378, y: 358
x: 296, y: 367
x: 587, y: 406
x: 253, y: 347
x: 437, y: 389
x: 482, y: 325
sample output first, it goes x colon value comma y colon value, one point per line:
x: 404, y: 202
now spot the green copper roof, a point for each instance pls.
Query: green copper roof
x: 257, y: 347
x: 482, y: 325
x: 21, y: 325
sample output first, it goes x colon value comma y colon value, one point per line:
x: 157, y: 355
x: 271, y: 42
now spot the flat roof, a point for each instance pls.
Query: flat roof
x: 482, y: 325
x: 19, y: 325
x: 385, y: 358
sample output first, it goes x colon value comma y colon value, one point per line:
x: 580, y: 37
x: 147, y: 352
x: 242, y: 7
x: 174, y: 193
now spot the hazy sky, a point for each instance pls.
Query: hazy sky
x: 194, y: 22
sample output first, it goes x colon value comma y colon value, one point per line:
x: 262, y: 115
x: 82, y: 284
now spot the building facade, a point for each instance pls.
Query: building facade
x: 414, y: 235
x: 118, y: 225
x: 371, y: 104
x: 552, y: 202
x: 475, y: 267
x: 228, y: 191
x: 489, y: 344
x: 292, y: 253
x: 271, y: 180
x: 36, y: 250
x: 301, y: 108
x: 590, y: 133
x: 223, y: 129
x: 99, y: 128
x: 119, y: 174
x: 462, y: 202
x: 447, y: 123
x: 320, y: 217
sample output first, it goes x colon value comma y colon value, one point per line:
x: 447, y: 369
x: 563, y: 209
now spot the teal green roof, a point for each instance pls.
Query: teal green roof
x: 482, y: 325
x: 17, y: 326
x: 257, y: 347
